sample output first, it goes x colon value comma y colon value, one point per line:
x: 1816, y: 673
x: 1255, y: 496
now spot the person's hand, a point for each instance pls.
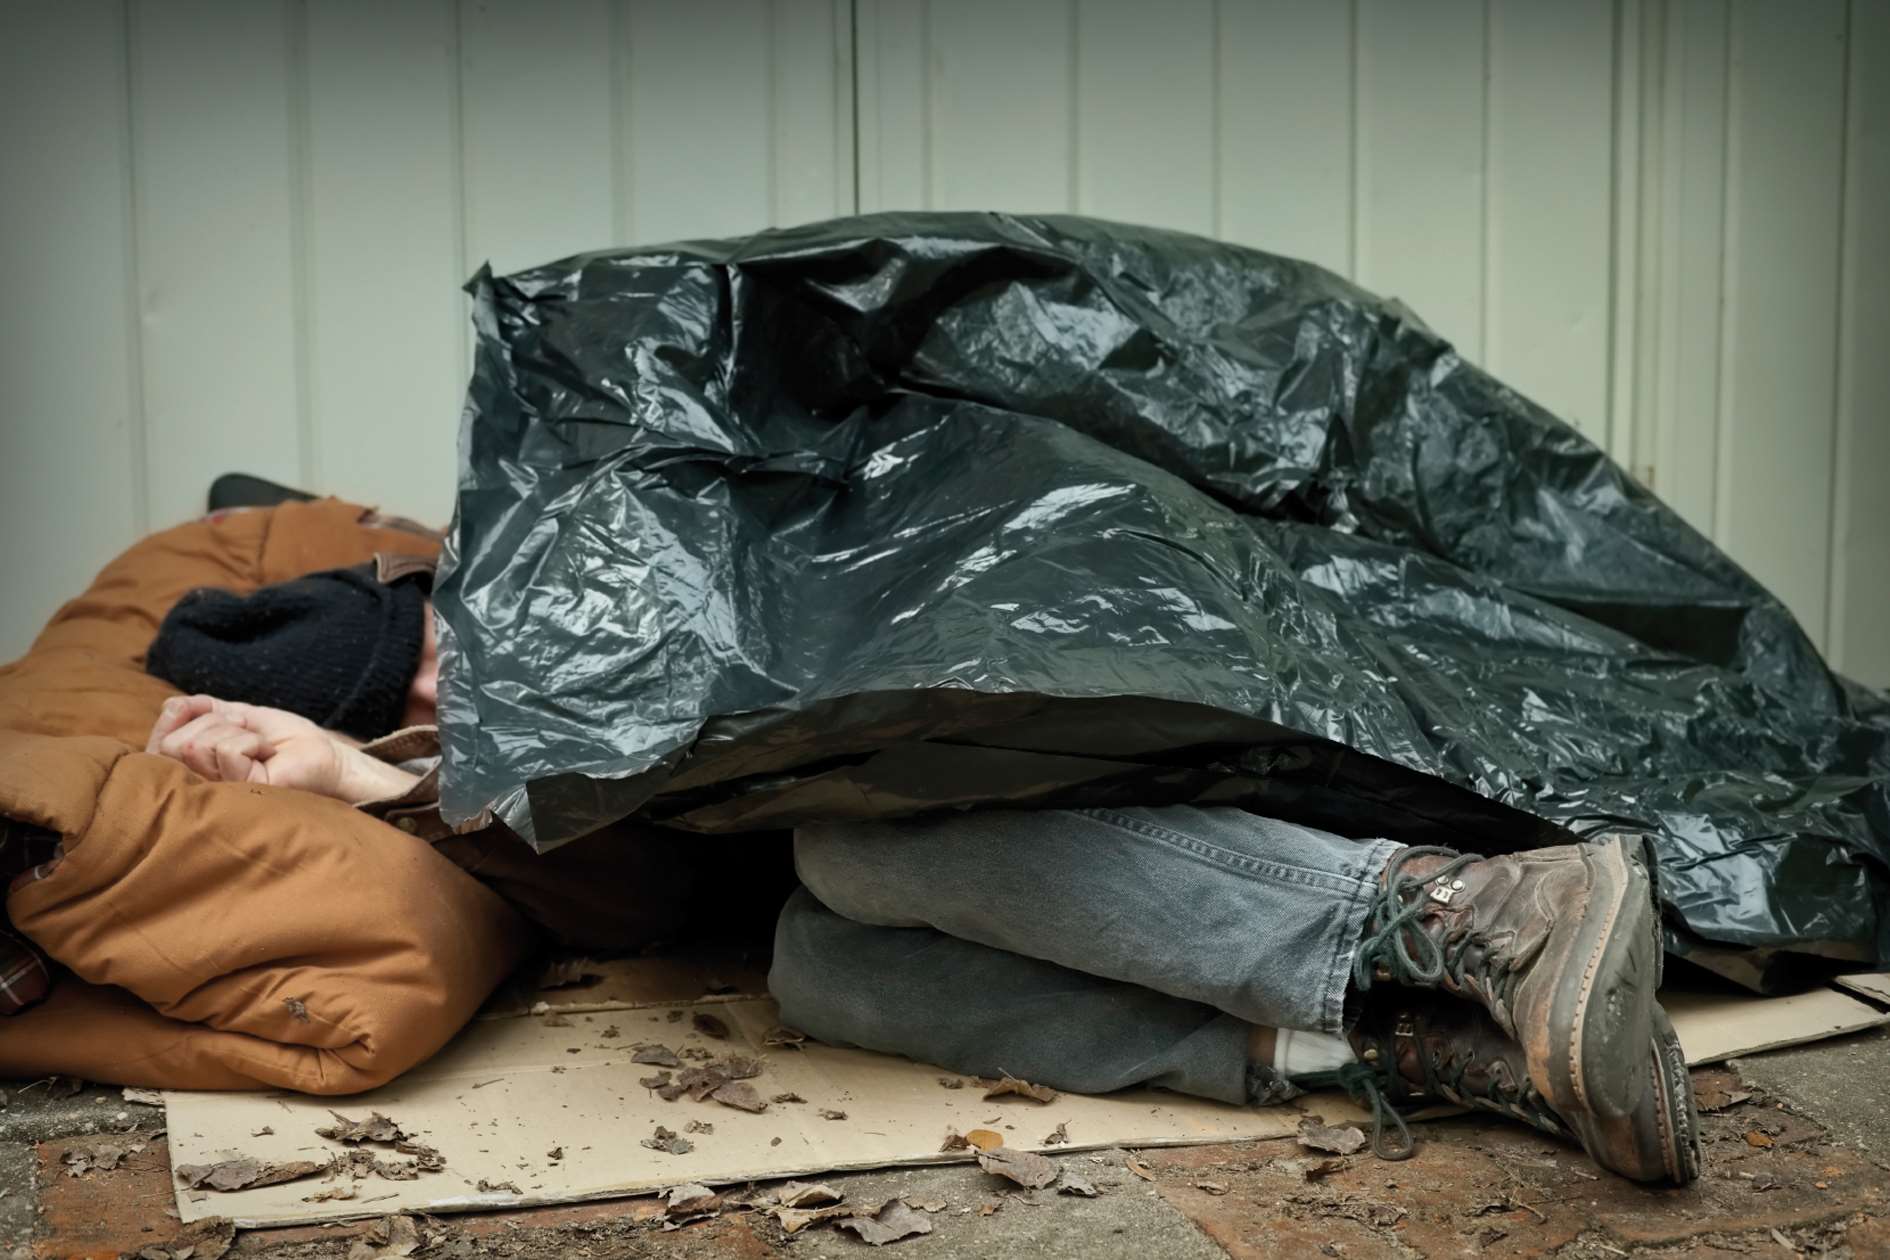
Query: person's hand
x: 247, y: 743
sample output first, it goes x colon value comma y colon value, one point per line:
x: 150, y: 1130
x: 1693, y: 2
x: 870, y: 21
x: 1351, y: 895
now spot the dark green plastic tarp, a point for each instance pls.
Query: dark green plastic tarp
x: 925, y: 511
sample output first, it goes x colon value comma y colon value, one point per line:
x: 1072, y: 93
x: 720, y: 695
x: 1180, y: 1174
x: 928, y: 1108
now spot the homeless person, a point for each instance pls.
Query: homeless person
x: 1207, y: 950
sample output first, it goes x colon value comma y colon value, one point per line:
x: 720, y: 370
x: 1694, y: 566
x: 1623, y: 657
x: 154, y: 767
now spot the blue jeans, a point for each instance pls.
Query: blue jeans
x: 1091, y: 950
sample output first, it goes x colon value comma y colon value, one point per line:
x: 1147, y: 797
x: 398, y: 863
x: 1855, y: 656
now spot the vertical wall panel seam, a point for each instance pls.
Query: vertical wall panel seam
x: 1214, y: 116
x: 456, y: 137
x: 301, y: 275
x: 928, y: 113
x: 771, y: 42
x: 851, y: 204
x: 134, y: 280
x: 1839, y: 496
x: 620, y: 157
x: 1729, y: 222
x: 1612, y: 366
x: 1486, y: 295
x: 1353, y: 152
x: 1076, y: 107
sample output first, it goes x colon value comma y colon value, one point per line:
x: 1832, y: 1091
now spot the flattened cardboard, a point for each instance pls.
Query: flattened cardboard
x: 1874, y: 985
x: 1716, y: 1027
x: 510, y: 1090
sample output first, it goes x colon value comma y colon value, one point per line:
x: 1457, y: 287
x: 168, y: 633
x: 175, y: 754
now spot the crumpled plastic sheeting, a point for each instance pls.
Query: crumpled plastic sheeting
x: 924, y: 511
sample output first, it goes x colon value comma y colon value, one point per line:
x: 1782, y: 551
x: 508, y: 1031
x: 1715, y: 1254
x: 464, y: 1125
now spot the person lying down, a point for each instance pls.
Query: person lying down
x: 1210, y: 951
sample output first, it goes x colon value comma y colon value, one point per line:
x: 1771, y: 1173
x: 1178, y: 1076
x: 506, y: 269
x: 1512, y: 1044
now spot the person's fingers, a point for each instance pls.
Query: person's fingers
x: 237, y: 752
x: 195, y: 743
x: 177, y: 712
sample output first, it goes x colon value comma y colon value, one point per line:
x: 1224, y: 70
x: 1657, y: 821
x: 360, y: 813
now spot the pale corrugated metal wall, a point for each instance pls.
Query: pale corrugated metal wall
x: 234, y: 230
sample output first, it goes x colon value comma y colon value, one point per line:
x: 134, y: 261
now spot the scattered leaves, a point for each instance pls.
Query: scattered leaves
x: 1059, y: 1136
x: 804, y: 1194
x: 893, y: 1221
x: 133, y: 1094
x: 654, y: 1082
x: 246, y: 1173
x: 376, y: 1128
x: 656, y: 1056
x: 1764, y: 1141
x: 102, y: 1157
x: 1069, y: 1182
x: 1010, y: 1086
x: 390, y: 1238
x: 829, y: 1113
x: 1139, y: 1168
x: 782, y: 1035
x: 265, y: 1131
x: 927, y: 1205
x: 666, y: 1141
x: 689, y: 1201
x: 794, y: 1220
x: 341, y: 1190
x: 698, y: 1126
x: 789, y: 1098
x: 297, y: 1008
x: 1334, y: 1139
x: 951, y: 1082
x: 494, y: 1187
x: 739, y: 1095
x: 1210, y: 1187
x: 709, y: 1025
x: 208, y: 1239
x: 1028, y: 1170
x: 976, y: 1140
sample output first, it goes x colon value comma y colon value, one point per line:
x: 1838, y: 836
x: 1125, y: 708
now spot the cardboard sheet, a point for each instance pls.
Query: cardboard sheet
x: 1715, y: 1027
x: 551, y: 1069
x: 511, y: 1090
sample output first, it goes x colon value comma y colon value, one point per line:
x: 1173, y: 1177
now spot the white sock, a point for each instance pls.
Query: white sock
x: 1298, y: 1053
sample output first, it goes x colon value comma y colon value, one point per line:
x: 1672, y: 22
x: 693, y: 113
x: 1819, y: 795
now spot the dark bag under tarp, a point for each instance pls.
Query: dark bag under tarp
x: 926, y: 511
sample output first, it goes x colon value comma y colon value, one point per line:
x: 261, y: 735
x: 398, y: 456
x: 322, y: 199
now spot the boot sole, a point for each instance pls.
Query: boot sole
x: 1607, y: 1004
x: 1679, y: 1112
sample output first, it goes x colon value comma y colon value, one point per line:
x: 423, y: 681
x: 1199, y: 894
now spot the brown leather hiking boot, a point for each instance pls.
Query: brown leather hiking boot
x: 1442, y: 1050
x: 1560, y: 945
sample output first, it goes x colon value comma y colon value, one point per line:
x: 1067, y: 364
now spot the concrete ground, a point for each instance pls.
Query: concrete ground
x: 1801, y: 1166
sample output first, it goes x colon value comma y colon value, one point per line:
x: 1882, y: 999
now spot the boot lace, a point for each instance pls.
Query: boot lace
x: 1415, y: 957
x: 1362, y: 1083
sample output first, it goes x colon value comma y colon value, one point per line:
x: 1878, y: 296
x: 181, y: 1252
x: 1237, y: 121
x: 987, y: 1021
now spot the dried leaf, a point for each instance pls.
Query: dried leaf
x: 1335, y: 1139
x: 794, y: 1220
x: 265, y: 1131
x: 739, y: 1095
x: 893, y: 1221
x: 341, y: 1190
x: 376, y: 1128
x: 297, y: 1008
x: 1763, y: 1141
x: 656, y: 1056
x: 951, y: 1082
x: 555, y: 1154
x: 1010, y: 1085
x: 103, y: 1156
x: 245, y: 1174
x: 666, y: 1141
x: 133, y: 1094
x: 709, y: 1026
x: 494, y: 1187
x: 782, y: 1035
x: 698, y: 1126
x: 738, y: 1068
x: 654, y: 1082
x: 1028, y: 1170
x: 990, y: 1207
x: 828, y: 1113
x: 1059, y: 1136
x: 789, y: 1098
x: 1069, y: 1182
x: 1210, y: 1187
x: 1139, y: 1168
x: 690, y: 1200
x: 611, y: 1032
x: 804, y: 1194
x: 976, y: 1140
x: 390, y: 1239
x: 208, y: 1239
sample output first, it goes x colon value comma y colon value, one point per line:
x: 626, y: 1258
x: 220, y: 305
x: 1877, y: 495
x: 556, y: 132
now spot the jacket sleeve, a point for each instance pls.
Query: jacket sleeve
x: 415, y: 811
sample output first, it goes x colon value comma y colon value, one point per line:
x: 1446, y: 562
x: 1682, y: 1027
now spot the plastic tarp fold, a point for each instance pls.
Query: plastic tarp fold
x: 927, y: 511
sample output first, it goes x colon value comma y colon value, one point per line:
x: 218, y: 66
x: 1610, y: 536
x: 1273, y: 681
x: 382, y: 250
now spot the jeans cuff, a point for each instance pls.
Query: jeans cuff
x: 1341, y: 1007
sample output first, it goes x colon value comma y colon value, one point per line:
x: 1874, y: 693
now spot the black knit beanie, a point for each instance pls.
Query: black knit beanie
x: 339, y: 648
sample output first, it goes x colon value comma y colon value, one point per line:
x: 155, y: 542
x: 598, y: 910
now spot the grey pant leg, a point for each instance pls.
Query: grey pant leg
x: 1248, y: 915
x: 970, y: 1008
